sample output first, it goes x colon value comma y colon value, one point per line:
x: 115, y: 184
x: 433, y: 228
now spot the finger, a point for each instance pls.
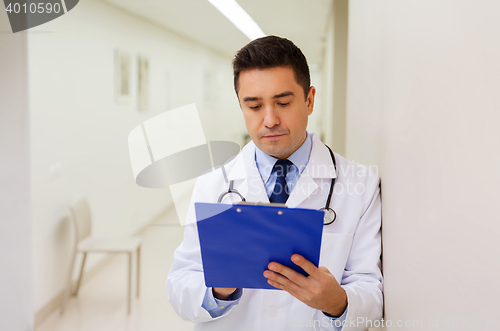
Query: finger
x: 279, y: 281
x: 324, y: 270
x: 289, y: 273
x: 305, y: 264
x: 284, y: 288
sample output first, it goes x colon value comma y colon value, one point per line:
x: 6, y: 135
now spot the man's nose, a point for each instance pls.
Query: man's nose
x: 271, y: 117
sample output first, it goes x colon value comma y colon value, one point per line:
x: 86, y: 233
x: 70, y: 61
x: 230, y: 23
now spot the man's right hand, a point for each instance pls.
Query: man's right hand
x: 222, y: 293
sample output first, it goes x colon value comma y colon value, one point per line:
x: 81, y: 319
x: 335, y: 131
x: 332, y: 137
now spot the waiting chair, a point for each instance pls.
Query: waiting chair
x: 85, y: 243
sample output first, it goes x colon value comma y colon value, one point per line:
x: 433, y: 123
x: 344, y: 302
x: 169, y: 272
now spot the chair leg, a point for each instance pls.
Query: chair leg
x: 138, y: 269
x: 129, y: 295
x: 67, y: 289
x: 75, y: 293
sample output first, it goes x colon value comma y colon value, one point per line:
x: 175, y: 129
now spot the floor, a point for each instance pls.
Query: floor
x: 101, y: 302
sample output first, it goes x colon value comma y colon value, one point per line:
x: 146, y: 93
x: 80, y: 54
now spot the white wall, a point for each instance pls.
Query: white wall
x: 334, y: 77
x: 423, y: 104
x: 315, y: 120
x: 16, y: 290
x: 76, y: 123
x: 327, y: 69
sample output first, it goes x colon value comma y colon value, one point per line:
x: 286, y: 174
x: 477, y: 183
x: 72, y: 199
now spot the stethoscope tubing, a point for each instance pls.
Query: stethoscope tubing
x: 329, y: 198
x: 229, y: 191
x: 328, y: 219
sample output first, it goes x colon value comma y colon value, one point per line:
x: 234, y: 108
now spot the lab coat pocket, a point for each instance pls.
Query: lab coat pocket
x: 335, y: 250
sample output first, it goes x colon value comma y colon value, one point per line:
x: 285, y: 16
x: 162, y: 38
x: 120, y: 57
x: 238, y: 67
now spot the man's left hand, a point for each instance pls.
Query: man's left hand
x: 320, y: 290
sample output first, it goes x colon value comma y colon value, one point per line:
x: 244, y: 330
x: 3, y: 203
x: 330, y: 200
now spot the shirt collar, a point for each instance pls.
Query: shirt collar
x: 299, y: 158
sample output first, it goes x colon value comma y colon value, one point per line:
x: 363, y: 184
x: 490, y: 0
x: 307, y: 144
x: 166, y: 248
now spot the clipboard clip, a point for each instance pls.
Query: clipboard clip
x: 268, y: 204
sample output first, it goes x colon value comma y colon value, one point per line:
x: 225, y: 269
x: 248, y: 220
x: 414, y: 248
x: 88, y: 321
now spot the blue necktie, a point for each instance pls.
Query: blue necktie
x: 280, y: 193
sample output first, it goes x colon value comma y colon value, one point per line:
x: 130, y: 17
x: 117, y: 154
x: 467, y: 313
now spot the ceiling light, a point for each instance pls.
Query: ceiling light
x: 239, y: 17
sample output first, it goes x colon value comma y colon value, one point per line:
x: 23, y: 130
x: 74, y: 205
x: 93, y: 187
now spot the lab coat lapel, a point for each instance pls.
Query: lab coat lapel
x: 248, y: 182
x: 246, y: 176
x: 303, y: 189
x: 320, y: 165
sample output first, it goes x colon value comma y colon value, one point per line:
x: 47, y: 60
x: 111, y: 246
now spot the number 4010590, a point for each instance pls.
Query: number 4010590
x: 33, y: 8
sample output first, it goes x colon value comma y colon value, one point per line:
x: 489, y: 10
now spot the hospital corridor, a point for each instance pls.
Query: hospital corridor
x: 314, y: 165
x: 101, y: 304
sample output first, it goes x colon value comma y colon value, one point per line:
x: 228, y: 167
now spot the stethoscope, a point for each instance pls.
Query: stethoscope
x: 330, y: 214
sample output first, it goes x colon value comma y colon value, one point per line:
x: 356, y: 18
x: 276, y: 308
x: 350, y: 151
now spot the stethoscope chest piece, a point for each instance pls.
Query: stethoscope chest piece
x: 232, y: 196
x: 330, y: 216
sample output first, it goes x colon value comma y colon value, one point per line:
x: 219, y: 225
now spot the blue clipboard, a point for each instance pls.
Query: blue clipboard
x: 238, y: 241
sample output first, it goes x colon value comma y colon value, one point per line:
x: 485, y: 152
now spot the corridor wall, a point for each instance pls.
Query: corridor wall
x: 16, y: 258
x: 422, y: 105
x: 79, y: 145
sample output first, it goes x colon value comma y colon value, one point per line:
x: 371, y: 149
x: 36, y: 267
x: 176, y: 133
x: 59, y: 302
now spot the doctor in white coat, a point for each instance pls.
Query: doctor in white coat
x: 345, y: 292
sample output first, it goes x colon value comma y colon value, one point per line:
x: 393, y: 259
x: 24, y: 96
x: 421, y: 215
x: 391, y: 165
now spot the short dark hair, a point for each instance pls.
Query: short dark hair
x: 270, y: 52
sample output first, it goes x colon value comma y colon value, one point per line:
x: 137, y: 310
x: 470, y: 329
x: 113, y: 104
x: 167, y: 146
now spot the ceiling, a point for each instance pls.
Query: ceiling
x: 302, y: 21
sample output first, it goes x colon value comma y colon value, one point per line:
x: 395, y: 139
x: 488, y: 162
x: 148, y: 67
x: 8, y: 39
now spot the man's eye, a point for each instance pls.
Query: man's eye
x: 255, y: 107
x: 284, y: 104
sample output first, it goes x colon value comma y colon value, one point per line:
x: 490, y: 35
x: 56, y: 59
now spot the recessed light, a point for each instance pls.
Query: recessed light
x: 239, y: 17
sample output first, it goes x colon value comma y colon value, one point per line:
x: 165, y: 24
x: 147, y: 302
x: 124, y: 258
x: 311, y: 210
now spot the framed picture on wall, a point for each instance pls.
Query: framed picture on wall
x: 168, y: 91
x: 123, y: 75
x: 142, y: 83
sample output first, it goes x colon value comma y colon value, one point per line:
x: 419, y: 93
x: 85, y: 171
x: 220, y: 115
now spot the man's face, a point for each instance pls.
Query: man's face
x: 275, y: 109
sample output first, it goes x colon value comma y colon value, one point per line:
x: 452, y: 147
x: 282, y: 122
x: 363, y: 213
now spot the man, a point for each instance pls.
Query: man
x: 284, y: 163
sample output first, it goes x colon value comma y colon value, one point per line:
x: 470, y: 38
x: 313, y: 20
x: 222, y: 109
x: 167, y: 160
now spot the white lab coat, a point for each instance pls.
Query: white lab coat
x: 350, y: 248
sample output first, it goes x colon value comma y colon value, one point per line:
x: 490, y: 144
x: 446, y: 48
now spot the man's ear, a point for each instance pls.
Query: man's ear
x: 310, y: 100
x: 238, y: 97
